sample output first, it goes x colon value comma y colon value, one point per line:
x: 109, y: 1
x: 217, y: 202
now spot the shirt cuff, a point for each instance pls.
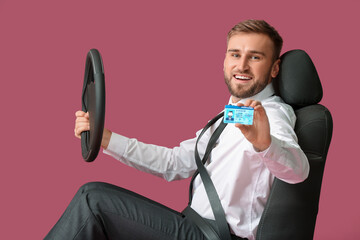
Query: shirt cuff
x: 117, y: 145
x: 286, y: 161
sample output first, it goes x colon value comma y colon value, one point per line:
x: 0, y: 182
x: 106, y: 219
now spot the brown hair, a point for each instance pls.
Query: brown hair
x: 259, y: 26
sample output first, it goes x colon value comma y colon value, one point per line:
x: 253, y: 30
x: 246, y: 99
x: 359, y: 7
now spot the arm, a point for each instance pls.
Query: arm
x: 272, y: 134
x: 169, y: 163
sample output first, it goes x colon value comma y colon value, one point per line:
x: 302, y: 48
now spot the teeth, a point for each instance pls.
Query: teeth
x: 242, y: 77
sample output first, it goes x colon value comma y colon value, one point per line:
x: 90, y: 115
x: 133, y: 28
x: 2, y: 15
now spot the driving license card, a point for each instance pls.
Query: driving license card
x: 236, y: 114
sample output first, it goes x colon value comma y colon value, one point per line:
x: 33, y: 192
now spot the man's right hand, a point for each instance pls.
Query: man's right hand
x: 82, y: 123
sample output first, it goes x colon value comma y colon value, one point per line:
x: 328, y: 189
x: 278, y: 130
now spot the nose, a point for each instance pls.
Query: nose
x: 242, y: 64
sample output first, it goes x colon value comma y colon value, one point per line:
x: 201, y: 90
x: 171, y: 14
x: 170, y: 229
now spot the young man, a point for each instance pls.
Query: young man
x: 242, y: 166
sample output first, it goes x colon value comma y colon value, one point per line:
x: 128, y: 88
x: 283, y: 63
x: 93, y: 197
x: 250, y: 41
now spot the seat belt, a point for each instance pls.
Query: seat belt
x: 218, y: 211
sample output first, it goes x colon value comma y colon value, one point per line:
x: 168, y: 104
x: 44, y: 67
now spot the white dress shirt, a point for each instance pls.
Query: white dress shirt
x: 242, y: 176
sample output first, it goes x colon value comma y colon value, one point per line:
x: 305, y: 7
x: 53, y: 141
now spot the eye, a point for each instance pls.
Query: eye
x: 255, y: 57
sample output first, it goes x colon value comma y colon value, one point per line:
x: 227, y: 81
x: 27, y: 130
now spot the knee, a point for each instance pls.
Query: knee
x: 96, y: 191
x: 93, y: 186
x: 91, y: 194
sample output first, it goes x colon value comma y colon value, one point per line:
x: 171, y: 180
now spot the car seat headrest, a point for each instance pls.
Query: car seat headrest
x: 298, y: 82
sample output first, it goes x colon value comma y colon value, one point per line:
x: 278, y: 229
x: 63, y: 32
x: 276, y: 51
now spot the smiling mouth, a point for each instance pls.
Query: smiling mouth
x: 242, y: 77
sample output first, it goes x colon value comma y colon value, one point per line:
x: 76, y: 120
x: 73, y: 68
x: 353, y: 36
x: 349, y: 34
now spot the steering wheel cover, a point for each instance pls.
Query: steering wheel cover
x: 93, y: 101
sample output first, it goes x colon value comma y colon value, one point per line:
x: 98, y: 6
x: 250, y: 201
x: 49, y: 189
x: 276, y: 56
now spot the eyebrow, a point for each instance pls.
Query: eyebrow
x: 251, y: 51
x: 233, y: 50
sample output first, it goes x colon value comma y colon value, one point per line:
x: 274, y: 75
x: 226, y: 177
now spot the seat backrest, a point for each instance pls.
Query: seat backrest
x: 291, y: 210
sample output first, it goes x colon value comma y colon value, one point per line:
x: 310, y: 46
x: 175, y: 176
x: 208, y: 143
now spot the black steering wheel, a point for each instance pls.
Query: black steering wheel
x: 93, y: 101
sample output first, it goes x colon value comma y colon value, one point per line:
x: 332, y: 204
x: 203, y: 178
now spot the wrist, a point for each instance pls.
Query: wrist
x: 262, y: 147
x: 106, y: 138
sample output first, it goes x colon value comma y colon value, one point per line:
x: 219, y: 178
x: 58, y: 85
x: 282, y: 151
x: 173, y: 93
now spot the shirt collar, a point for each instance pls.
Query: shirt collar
x: 267, y: 92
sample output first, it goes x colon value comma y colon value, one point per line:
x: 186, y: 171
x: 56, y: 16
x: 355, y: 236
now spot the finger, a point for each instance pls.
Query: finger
x: 77, y: 135
x: 254, y: 104
x: 259, y: 109
x: 240, y: 104
x: 81, y: 119
x: 82, y: 128
x: 79, y: 129
x: 251, y: 103
x: 82, y: 124
x: 81, y: 114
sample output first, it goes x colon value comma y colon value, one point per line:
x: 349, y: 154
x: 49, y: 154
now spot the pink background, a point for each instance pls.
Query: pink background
x: 157, y: 54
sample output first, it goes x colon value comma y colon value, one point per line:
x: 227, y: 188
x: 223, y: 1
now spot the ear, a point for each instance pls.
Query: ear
x: 275, y: 68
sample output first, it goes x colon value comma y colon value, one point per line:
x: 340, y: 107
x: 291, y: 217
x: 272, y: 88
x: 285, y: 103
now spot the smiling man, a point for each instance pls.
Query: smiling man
x: 242, y: 166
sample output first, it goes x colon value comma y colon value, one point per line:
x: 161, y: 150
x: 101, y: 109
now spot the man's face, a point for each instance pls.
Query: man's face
x: 249, y: 65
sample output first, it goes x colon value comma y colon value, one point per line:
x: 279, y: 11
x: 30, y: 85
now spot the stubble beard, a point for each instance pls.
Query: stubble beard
x: 240, y: 91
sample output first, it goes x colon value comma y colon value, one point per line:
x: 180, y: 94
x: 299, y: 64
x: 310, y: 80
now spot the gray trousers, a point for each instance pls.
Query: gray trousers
x: 104, y: 211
